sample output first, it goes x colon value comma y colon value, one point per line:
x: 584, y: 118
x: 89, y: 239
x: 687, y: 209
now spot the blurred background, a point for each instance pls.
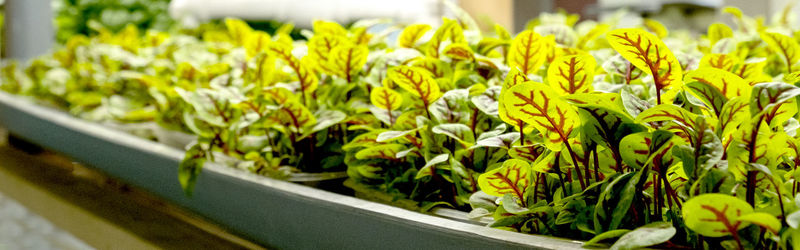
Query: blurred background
x: 33, y: 26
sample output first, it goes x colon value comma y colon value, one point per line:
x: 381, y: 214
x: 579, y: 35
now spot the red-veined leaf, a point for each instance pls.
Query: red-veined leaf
x: 571, y: 74
x: 513, y: 177
x: 538, y: 105
x: 526, y: 52
x: 416, y: 81
x: 409, y: 36
x: 784, y: 45
x: 648, y: 53
x: 308, y: 80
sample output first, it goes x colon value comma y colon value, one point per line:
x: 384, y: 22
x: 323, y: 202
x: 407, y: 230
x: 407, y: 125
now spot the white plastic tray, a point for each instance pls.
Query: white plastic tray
x: 275, y: 213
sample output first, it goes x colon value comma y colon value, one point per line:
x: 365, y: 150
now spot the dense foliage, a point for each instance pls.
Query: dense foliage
x: 76, y: 17
x: 582, y: 130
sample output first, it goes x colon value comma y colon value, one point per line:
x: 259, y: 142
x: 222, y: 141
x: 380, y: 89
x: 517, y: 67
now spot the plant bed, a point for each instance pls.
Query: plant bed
x: 640, y: 136
x: 275, y: 213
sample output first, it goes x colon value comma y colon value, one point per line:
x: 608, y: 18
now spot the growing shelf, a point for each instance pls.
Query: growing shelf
x: 275, y: 213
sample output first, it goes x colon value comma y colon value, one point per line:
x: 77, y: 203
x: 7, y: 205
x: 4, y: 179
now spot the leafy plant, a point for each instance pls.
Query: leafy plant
x: 643, y: 136
x: 653, y: 159
x: 74, y: 17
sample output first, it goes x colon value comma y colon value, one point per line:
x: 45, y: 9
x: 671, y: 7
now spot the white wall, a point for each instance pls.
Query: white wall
x: 29, y: 28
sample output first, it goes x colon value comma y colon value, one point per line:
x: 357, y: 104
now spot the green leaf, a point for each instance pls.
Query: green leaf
x: 450, y: 30
x: 719, y: 61
x: 764, y: 220
x: 416, y: 81
x: 513, y: 177
x: 768, y: 96
x: 364, y: 140
x: 648, y: 53
x: 546, y: 163
x: 727, y: 83
x: 512, y: 205
x: 500, y: 141
x: 458, y: 51
x: 190, y: 168
x: 326, y: 119
x: 595, y: 241
x: 619, y: 66
x: 404, y: 153
x: 706, y: 151
x: 635, y: 149
x: 793, y: 219
x: 509, y: 220
x: 498, y: 130
x: 647, y: 235
x: 626, y: 196
x: 295, y: 116
x: 427, y: 170
x: 478, y: 213
x: 571, y: 74
x: 392, y: 135
x: 384, y: 151
x: 633, y: 104
x: 389, y: 118
x: 668, y: 112
x: 527, y: 152
x: 409, y: 36
x: 715, y: 215
x: 606, y: 125
x: 656, y: 27
x: 451, y: 107
x: 386, y: 98
x: 320, y: 47
x: 791, y: 238
x: 733, y: 114
x: 785, y: 46
x: 538, y: 105
x: 767, y: 149
x: 526, y: 52
x: 616, y: 198
x: 203, y: 102
x: 482, y: 200
x: 460, y: 132
x: 307, y: 80
x: 438, y: 68
x: 592, y: 34
x: 565, y: 217
x: 347, y: 59
x: 661, y: 141
x: 717, y: 31
x: 487, y: 102
x: 513, y: 78
x: 710, y: 96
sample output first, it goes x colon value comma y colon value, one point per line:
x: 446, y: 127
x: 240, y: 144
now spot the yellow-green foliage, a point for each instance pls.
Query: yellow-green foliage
x: 574, y: 129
